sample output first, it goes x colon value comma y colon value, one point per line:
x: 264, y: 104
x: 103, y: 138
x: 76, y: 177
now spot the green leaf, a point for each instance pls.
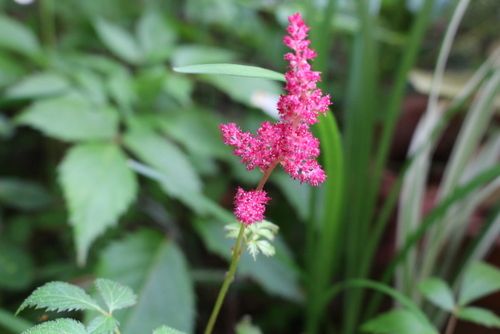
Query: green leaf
x: 115, y: 295
x: 118, y: 41
x: 24, y: 195
x: 16, y: 267
x: 156, y: 269
x: 254, y: 92
x: 155, y: 37
x: 398, y: 321
x: 167, y: 330
x: 60, y: 296
x: 438, y: 292
x: 38, y: 85
x: 245, y: 326
x: 102, y: 324
x: 277, y: 275
x: 16, y: 37
x: 231, y: 69
x: 479, y: 280
x: 479, y: 316
x: 13, y: 323
x: 199, y: 54
x: 59, y: 326
x: 178, y: 178
x: 71, y: 119
x: 98, y: 187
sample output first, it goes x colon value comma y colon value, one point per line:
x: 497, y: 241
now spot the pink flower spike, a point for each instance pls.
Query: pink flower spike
x: 250, y: 206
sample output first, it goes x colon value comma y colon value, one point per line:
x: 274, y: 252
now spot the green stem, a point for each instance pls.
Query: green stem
x: 227, y: 281
x: 235, y: 259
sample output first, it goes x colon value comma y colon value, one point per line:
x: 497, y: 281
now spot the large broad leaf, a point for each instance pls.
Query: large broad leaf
x: 479, y: 316
x: 119, y: 41
x: 157, y: 271
x: 71, y: 118
x: 277, y: 274
x: 398, y: 321
x: 167, y: 330
x: 38, y: 85
x: 16, y: 37
x: 178, y: 178
x: 60, y: 296
x: 98, y: 187
x: 16, y: 267
x: 231, y: 69
x: 438, y: 292
x: 155, y: 37
x: 115, y: 295
x: 59, y: 326
x: 479, y: 280
x: 24, y: 195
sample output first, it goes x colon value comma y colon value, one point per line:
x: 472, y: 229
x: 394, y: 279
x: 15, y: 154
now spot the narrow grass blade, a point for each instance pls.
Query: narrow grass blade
x: 231, y: 69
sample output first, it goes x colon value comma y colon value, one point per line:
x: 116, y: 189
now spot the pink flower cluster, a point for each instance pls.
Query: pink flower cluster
x: 289, y: 141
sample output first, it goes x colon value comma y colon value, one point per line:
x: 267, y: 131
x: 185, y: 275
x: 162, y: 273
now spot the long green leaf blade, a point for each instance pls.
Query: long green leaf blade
x: 231, y: 69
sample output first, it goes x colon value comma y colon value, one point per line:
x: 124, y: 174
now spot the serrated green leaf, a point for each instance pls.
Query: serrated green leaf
x: 480, y: 279
x: 231, y: 69
x: 115, y: 295
x: 155, y: 37
x: 156, y: 269
x: 398, y: 321
x: 98, y: 187
x: 118, y: 41
x: 102, y: 324
x: 479, y: 316
x: 438, y: 292
x: 24, y: 195
x: 16, y: 37
x: 59, y: 326
x: 178, y: 179
x: 38, y: 85
x: 60, y: 296
x: 71, y: 119
x: 167, y: 330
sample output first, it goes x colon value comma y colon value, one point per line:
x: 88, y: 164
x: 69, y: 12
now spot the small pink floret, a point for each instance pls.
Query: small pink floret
x: 250, y: 206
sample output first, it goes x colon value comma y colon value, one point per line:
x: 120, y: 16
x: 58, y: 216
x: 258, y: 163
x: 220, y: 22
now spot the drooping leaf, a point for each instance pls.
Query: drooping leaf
x: 98, y: 187
x: 167, y: 330
x: 71, y: 119
x: 17, y: 37
x: 115, y: 295
x: 479, y: 280
x: 157, y: 271
x: 16, y: 267
x: 398, y: 321
x: 479, y: 316
x: 60, y: 296
x: 277, y: 275
x: 178, y: 179
x: 102, y: 324
x: 231, y: 69
x: 438, y: 292
x: 24, y: 195
x: 118, y: 41
x: 59, y: 326
x: 154, y: 36
x: 38, y: 85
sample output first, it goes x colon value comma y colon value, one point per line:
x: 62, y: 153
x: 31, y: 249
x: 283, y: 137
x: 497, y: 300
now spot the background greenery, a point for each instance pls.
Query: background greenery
x: 111, y: 163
